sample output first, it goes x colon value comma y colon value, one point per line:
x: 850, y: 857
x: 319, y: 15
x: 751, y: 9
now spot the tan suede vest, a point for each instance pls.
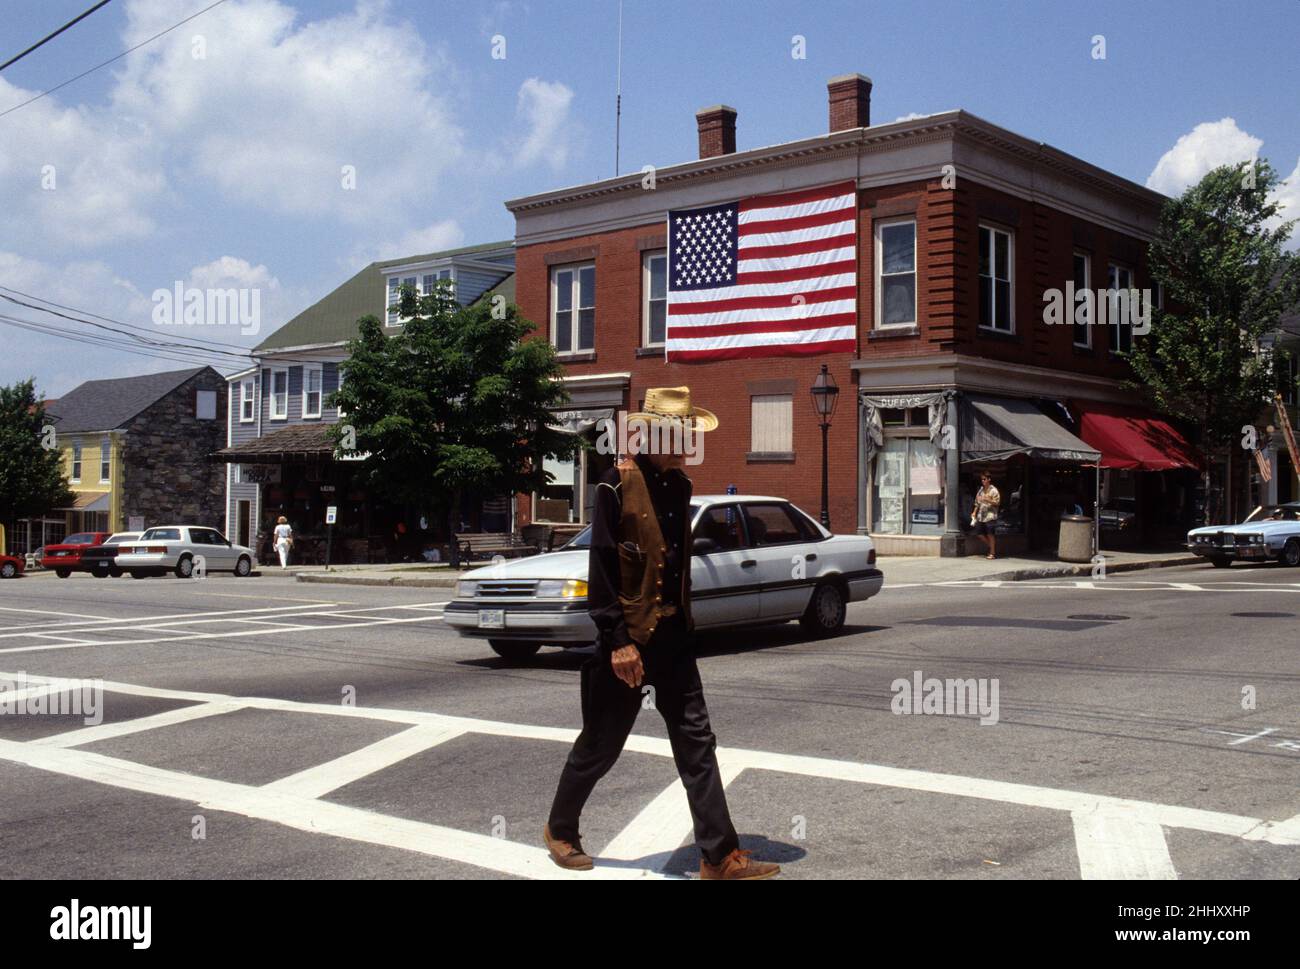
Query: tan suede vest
x: 641, y: 595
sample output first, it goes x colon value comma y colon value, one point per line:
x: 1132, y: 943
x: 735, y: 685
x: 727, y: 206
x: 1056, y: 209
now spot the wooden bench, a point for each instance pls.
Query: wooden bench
x: 480, y: 545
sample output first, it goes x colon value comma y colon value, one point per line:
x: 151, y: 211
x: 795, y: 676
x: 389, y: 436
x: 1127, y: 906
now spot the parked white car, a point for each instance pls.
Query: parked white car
x: 1270, y: 532
x: 180, y: 549
x: 755, y: 559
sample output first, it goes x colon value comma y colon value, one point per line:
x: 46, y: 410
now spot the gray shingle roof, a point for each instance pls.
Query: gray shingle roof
x: 294, y: 440
x: 103, y: 405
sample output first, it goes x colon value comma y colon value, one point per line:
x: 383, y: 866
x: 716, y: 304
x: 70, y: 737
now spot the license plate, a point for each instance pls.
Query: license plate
x: 492, y: 618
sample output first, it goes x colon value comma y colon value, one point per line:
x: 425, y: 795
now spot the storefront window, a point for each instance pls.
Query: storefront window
x: 907, y: 487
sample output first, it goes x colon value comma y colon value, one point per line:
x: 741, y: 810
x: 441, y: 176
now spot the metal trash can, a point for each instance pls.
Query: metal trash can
x: 1075, y: 542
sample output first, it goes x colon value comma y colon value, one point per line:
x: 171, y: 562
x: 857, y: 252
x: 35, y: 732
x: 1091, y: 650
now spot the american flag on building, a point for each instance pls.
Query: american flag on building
x: 773, y: 275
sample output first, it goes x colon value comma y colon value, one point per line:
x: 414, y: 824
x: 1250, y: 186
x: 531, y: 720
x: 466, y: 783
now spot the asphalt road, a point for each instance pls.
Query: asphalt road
x: 1147, y: 725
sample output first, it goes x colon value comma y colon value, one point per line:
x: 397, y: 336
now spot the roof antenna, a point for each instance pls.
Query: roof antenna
x: 618, y: 96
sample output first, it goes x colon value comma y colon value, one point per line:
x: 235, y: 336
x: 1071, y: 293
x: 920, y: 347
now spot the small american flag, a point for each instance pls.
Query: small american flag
x: 774, y: 275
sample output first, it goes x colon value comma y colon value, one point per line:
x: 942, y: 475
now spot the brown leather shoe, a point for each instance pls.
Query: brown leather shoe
x: 566, y: 855
x: 737, y: 866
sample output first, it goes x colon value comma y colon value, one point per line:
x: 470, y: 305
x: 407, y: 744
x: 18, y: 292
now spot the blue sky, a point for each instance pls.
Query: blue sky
x: 225, y: 169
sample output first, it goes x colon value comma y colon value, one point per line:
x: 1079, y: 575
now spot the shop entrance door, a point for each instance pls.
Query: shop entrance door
x: 243, y: 514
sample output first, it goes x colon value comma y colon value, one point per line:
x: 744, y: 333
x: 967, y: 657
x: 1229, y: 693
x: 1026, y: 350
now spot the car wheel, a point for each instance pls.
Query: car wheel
x: 826, y: 610
x: 243, y: 567
x: 98, y: 574
x: 115, y: 573
x: 1219, y: 562
x: 184, y: 567
x: 515, y: 652
x: 137, y: 574
x: 8, y: 570
x: 63, y: 573
x: 1291, y: 553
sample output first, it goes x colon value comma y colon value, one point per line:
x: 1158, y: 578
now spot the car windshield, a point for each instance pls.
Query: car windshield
x: 1282, y: 513
x: 583, y: 538
x: 81, y: 538
x: 162, y: 535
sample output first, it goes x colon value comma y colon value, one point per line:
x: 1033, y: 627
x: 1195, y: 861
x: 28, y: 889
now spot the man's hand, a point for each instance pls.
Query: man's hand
x: 626, y: 661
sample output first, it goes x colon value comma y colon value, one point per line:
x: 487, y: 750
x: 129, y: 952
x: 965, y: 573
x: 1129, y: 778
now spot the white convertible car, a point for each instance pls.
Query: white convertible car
x: 1270, y: 532
x: 754, y: 560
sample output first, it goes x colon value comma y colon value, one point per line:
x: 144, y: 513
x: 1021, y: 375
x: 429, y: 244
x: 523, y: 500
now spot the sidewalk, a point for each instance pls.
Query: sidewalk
x: 898, y: 569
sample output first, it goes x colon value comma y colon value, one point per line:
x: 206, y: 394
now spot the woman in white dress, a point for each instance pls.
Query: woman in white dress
x: 283, y: 540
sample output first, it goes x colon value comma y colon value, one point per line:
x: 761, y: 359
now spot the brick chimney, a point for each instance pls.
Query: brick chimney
x: 850, y: 101
x: 717, y: 126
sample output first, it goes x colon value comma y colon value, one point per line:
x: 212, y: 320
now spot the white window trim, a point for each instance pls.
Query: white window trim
x: 391, y: 317
x: 646, y: 258
x: 1111, y: 325
x: 320, y: 394
x: 338, y: 408
x: 277, y: 415
x: 75, y: 477
x: 246, y: 398
x: 105, y: 461
x: 576, y: 268
x: 1011, y: 277
x: 877, y: 231
x: 1087, y: 283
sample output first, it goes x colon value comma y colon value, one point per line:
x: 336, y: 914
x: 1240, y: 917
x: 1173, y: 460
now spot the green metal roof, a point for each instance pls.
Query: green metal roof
x: 333, y: 319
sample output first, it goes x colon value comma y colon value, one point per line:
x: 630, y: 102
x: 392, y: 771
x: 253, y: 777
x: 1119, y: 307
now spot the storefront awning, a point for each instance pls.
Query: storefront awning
x: 298, y: 442
x: 996, y: 428
x: 1129, y: 438
x: 88, y: 501
x: 580, y: 421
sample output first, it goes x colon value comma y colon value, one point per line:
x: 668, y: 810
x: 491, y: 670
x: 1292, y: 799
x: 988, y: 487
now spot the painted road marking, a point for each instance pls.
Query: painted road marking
x: 1123, y: 845
x: 1112, y: 834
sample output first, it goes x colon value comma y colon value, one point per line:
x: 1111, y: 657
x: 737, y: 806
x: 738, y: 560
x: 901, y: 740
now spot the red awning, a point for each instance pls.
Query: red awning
x: 1129, y: 438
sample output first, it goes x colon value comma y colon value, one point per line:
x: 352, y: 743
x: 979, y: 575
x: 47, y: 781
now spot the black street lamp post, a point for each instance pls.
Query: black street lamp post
x: 825, y: 395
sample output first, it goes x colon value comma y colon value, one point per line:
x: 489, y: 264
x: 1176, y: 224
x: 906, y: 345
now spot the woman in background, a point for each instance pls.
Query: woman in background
x: 283, y: 540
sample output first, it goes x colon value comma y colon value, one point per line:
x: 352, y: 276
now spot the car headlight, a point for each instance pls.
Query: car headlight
x: 466, y: 588
x: 562, y: 589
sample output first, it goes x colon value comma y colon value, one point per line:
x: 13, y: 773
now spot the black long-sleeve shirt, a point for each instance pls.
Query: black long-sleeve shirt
x: 670, y: 494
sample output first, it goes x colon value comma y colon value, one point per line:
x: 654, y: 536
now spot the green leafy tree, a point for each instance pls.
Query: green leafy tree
x: 31, y: 465
x: 456, y: 402
x: 1219, y: 254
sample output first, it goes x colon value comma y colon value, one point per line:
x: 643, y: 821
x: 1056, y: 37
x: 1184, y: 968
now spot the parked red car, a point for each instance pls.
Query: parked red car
x: 65, y: 558
x: 10, y: 566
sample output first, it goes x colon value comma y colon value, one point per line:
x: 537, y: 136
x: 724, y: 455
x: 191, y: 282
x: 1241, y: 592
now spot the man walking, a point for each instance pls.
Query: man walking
x: 639, y: 599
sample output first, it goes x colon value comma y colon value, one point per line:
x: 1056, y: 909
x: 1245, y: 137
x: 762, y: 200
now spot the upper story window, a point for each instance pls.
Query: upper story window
x: 311, y: 391
x: 205, y: 405
x: 1082, y: 310
x: 76, y: 462
x: 105, y: 460
x: 771, y: 423
x: 247, y: 401
x: 432, y: 280
x: 654, y: 298
x: 896, y: 273
x: 996, y: 280
x: 573, y: 307
x: 279, y: 395
x: 394, y: 296
x: 1121, y: 325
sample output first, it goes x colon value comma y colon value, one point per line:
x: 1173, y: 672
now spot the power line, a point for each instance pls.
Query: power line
x: 45, y: 40
x: 117, y: 57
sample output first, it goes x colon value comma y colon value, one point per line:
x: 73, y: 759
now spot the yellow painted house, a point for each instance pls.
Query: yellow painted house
x: 92, y: 463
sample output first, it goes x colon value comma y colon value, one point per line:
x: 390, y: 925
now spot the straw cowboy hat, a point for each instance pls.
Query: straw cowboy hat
x: 674, y: 404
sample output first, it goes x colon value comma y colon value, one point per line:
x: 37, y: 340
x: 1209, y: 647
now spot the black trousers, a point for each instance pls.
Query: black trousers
x: 609, y: 709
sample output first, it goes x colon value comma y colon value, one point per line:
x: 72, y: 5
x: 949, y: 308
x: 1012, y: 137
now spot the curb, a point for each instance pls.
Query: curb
x: 1059, y: 571
x: 410, y: 581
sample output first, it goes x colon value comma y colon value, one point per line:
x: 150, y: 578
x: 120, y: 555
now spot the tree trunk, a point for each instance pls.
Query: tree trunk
x: 453, y: 526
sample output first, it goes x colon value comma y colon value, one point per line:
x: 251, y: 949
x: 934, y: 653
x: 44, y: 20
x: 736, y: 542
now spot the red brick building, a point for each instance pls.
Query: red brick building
x: 962, y: 227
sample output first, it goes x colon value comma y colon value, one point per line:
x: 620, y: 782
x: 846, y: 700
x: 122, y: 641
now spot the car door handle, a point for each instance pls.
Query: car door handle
x: 748, y: 563
x: 810, y: 557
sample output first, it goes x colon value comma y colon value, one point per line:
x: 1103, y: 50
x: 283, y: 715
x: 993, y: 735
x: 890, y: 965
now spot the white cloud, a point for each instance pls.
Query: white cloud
x: 542, y: 110
x: 1204, y: 148
x: 446, y: 234
x: 1214, y: 143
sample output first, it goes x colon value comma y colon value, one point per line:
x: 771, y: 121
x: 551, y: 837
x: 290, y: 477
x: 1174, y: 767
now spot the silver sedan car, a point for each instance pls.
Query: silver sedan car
x: 754, y: 560
x: 183, y: 550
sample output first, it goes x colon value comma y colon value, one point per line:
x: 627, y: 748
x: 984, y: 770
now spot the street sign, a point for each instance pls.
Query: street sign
x: 331, y: 514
